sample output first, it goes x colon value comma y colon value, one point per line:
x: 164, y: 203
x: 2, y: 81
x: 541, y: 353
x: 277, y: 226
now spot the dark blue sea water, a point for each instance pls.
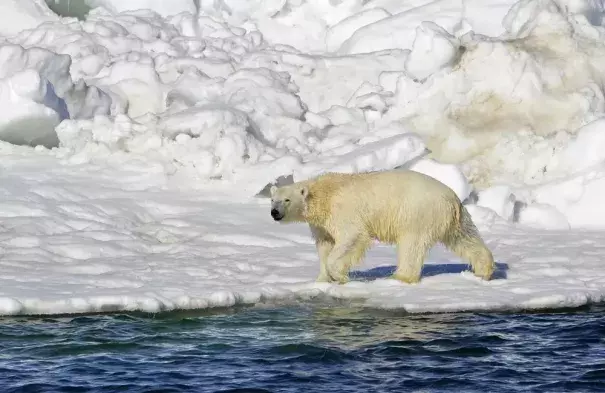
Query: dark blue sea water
x: 305, y: 348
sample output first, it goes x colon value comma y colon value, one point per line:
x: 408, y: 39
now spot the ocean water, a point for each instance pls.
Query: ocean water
x: 305, y: 348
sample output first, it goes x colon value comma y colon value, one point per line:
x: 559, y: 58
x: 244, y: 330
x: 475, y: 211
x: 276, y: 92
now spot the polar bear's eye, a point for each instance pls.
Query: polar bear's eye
x: 286, y: 200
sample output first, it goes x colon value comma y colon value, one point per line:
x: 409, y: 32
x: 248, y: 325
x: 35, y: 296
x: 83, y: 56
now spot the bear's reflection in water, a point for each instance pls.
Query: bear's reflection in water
x: 354, y: 328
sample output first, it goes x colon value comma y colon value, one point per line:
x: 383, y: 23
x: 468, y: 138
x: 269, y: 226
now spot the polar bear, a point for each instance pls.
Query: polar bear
x: 346, y: 212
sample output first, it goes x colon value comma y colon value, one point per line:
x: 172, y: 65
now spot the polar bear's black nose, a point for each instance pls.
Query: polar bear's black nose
x: 274, y: 213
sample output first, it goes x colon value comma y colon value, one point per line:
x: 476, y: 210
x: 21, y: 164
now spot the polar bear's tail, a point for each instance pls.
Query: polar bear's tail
x: 465, y: 241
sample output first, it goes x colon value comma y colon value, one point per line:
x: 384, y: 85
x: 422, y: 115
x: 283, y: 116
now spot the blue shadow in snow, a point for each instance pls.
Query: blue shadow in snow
x: 427, y: 271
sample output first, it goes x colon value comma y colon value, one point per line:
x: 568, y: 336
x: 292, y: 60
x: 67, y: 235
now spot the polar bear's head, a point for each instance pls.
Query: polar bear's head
x: 288, y: 203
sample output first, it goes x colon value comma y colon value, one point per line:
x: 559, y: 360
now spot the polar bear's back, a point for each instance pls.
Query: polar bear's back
x: 380, y: 184
x: 387, y: 203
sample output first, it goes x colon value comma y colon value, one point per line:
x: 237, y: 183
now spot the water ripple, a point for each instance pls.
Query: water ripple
x: 305, y: 349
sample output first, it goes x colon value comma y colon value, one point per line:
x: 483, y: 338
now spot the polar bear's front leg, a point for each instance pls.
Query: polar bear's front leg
x: 324, y: 248
x: 346, y: 253
x: 337, y: 266
x: 324, y: 244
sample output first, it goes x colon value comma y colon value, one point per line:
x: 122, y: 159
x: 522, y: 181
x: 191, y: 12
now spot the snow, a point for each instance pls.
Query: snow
x: 341, y: 31
x: 543, y: 216
x: 448, y: 174
x: 433, y: 50
x: 584, y: 151
x: 379, y: 35
x: 500, y: 199
x: 126, y: 239
x: 18, y: 15
x: 37, y: 92
x: 577, y: 197
x: 136, y: 145
x: 386, y: 153
x: 162, y: 7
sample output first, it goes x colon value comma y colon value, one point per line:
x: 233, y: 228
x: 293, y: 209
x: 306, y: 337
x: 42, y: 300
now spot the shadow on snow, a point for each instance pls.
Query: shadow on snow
x: 428, y: 270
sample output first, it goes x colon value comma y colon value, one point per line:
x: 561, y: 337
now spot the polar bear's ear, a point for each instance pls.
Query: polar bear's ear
x: 273, y: 189
x: 304, y: 192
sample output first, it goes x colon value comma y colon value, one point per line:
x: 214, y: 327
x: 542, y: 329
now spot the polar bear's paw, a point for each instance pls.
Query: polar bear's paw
x: 406, y: 278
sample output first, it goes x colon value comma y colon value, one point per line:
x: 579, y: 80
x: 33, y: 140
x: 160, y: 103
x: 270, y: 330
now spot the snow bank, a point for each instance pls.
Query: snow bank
x: 578, y: 197
x: 379, y: 35
x: 547, y: 86
x: 572, y: 198
x: 386, y: 153
x: 450, y: 175
x: 508, y: 129
x: 208, y: 90
x: 585, y: 150
x: 343, y: 30
x: 296, y: 24
x: 201, y: 96
x: 352, y: 26
x: 162, y: 7
x: 519, y: 127
x: 19, y: 15
x: 433, y: 50
x: 37, y: 92
x: 543, y: 216
x: 327, y: 82
x: 172, y: 89
x: 485, y: 16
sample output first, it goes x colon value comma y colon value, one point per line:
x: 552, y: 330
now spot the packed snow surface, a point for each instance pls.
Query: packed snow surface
x: 85, y: 238
x: 18, y: 15
x: 133, y: 143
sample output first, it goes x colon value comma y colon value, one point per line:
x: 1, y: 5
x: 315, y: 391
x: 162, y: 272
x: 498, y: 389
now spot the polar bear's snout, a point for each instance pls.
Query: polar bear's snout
x: 277, y: 212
